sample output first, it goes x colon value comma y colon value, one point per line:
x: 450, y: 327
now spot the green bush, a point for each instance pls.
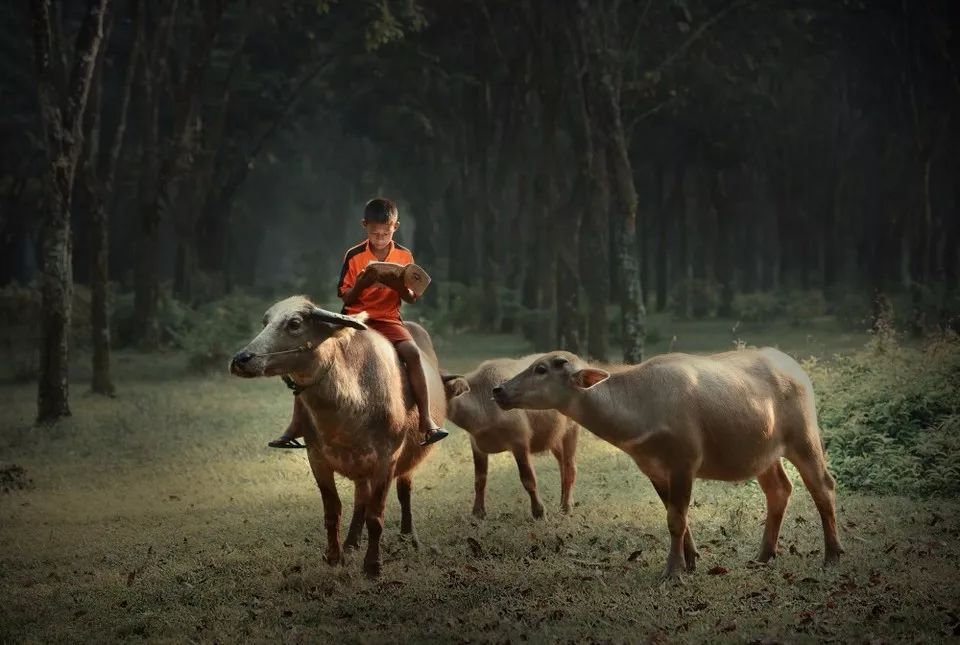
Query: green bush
x: 703, y: 297
x: 757, y: 307
x: 213, y: 333
x: 891, y: 415
x: 172, y: 318
x: 803, y: 306
x: 20, y: 327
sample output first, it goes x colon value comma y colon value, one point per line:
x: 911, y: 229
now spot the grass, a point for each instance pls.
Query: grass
x: 161, y: 516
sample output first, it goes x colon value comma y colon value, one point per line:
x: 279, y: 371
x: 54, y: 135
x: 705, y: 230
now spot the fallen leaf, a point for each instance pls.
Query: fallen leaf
x: 718, y: 571
x: 634, y: 556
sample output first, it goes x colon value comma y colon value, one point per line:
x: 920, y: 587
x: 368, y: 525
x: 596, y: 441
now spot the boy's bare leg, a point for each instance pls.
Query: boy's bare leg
x: 295, y: 430
x: 418, y: 383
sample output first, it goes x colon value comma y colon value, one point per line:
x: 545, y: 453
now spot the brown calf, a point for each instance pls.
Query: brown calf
x: 522, y: 432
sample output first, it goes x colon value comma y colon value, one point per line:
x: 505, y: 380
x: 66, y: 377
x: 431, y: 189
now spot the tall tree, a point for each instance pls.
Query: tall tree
x: 98, y: 171
x: 62, y: 106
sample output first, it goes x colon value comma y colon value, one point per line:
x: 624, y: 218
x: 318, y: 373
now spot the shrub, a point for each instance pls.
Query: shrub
x: 703, y: 297
x: 757, y: 307
x: 212, y: 333
x: 172, y: 318
x: 891, y: 415
x: 20, y: 327
x: 803, y: 306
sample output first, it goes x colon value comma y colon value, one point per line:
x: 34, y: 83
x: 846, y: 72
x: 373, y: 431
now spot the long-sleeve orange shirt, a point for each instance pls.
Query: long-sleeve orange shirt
x: 380, y: 303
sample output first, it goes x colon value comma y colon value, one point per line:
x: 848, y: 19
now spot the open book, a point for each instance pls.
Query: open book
x: 397, y: 276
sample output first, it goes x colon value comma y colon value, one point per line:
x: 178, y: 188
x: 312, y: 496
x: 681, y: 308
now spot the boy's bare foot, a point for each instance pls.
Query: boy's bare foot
x: 433, y: 436
x: 285, y: 442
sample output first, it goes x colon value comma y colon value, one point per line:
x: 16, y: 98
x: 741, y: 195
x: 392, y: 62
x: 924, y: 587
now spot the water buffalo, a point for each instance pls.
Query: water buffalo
x: 729, y: 416
x: 355, y: 409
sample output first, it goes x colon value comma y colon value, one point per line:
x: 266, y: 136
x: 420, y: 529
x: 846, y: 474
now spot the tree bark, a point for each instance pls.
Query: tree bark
x: 725, y: 224
x: 594, y: 262
x: 146, y: 272
x: 101, y: 170
x: 62, y: 111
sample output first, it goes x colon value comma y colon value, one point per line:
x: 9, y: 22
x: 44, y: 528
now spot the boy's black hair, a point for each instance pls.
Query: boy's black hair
x: 380, y: 210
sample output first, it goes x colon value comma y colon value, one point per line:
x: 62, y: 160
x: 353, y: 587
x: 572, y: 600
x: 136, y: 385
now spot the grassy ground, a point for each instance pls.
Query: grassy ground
x: 160, y: 515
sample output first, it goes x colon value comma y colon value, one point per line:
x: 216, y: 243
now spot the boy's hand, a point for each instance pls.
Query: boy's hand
x: 407, y: 295
x: 365, y: 279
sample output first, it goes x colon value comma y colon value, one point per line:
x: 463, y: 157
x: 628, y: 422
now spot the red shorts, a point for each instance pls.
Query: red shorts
x: 393, y: 330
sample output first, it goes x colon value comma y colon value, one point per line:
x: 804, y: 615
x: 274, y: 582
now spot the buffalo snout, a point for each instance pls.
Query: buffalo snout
x: 501, y: 397
x: 239, y: 366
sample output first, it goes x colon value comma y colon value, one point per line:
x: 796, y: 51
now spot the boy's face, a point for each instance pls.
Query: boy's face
x: 380, y: 234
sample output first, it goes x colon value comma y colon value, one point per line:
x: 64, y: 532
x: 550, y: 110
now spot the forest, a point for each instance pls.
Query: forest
x: 616, y: 179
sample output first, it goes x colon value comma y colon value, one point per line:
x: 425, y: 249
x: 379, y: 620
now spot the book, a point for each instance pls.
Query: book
x: 397, y: 276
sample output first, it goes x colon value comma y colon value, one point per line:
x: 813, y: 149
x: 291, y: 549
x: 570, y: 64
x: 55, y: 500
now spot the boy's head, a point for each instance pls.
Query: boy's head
x: 381, y: 220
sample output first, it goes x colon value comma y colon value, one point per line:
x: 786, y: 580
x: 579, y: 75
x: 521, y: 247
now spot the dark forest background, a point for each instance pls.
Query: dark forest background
x: 562, y: 167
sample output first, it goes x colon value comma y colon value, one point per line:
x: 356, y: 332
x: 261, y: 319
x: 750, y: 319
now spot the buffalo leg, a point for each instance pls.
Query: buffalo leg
x: 529, y: 480
x: 777, y: 488
x: 331, y: 504
x: 480, y: 460
x: 376, y: 504
x: 690, y: 553
x: 813, y: 469
x: 567, y: 459
x: 678, y: 501
x: 361, y: 491
x: 404, y: 487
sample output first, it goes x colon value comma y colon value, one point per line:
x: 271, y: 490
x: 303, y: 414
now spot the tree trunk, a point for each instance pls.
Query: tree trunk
x: 62, y: 116
x: 662, y: 239
x: 633, y: 314
x: 568, y: 275
x: 594, y: 262
x: 725, y: 224
x: 100, y: 195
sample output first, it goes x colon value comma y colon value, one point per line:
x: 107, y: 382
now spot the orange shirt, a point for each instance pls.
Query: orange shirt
x: 381, y: 303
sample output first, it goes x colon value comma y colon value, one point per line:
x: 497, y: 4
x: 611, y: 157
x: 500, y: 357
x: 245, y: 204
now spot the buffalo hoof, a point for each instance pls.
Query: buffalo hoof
x: 832, y: 557
x: 671, y: 575
x: 766, y: 555
x: 351, y: 545
x: 372, y: 568
x: 566, y: 509
x: 537, y: 511
x: 334, y: 557
x: 479, y: 513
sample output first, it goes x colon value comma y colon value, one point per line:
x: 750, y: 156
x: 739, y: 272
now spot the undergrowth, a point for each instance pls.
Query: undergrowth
x: 890, y: 415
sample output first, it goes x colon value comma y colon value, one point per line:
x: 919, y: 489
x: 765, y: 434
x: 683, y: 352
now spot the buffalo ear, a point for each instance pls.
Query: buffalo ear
x: 336, y: 319
x: 455, y: 385
x: 588, y: 377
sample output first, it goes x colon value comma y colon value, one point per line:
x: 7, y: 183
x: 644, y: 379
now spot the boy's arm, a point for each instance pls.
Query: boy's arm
x: 352, y: 283
x: 352, y: 294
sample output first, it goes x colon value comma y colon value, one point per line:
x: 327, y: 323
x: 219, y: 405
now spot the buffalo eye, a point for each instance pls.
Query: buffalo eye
x: 294, y: 324
x: 559, y: 362
x: 540, y: 369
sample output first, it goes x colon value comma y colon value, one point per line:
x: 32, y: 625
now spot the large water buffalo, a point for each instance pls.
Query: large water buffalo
x: 355, y: 408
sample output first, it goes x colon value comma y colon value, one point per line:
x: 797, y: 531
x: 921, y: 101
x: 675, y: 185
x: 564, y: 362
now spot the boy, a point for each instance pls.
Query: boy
x: 355, y: 288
